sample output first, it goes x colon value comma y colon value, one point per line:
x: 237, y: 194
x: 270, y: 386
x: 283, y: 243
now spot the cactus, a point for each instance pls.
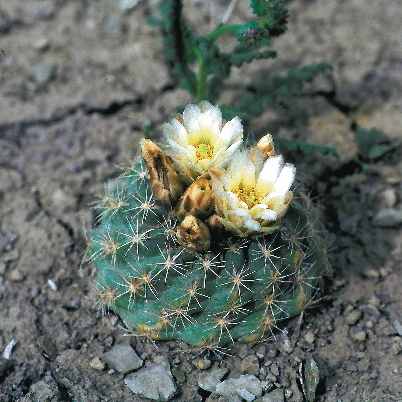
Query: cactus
x: 170, y: 266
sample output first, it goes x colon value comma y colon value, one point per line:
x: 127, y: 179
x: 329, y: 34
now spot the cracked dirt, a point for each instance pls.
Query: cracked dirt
x: 79, y: 81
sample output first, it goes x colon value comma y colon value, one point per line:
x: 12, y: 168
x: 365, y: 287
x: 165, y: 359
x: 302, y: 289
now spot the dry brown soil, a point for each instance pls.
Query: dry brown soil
x: 78, y: 82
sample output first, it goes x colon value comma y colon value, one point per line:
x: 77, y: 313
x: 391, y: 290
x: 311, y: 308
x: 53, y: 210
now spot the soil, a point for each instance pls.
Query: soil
x: 79, y: 81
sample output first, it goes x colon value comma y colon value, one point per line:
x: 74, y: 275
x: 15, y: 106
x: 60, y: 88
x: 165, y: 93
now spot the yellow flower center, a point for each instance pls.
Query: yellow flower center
x: 249, y: 197
x: 204, y: 151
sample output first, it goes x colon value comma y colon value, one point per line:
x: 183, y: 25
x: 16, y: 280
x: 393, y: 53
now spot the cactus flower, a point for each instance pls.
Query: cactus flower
x: 198, y: 140
x: 253, y: 194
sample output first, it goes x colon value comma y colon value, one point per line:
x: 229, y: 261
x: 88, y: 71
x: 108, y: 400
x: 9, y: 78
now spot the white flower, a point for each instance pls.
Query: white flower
x: 252, y: 195
x: 197, y: 142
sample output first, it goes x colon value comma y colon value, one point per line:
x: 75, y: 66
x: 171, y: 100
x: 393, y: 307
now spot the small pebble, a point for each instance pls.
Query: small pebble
x: 374, y: 301
x: 274, y: 396
x: 250, y: 365
x: 309, y: 337
x: 44, y: 72
x: 153, y: 382
x: 48, y: 346
x: 122, y: 358
x: 352, y: 317
x: 398, y: 327
x: 371, y: 273
x: 388, y: 218
x: 208, y: 380
x: 396, y: 346
x: 15, y: 276
x: 274, y: 369
x: 359, y: 336
x: 371, y: 311
x: 96, y: 364
x: 41, y: 44
x: 179, y: 374
x: 113, y: 27
x: 202, y: 364
x: 246, y: 386
x: 387, y: 198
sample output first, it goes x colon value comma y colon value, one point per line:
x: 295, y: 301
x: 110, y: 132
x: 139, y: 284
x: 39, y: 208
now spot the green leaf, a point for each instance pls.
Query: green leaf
x: 229, y: 112
x: 307, y: 148
x: 240, y: 58
x: 367, y: 140
x: 378, y: 151
x: 267, y: 93
x: 259, y: 7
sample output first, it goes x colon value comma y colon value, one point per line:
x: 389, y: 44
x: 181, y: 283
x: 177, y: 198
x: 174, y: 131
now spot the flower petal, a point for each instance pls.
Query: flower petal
x: 176, y: 132
x: 269, y: 173
x: 285, y: 179
x: 231, y: 131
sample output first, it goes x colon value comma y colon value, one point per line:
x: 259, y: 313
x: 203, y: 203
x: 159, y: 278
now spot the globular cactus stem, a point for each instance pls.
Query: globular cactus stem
x: 203, y: 241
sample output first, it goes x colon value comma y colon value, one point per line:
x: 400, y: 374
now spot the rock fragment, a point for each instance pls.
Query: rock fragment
x: 122, y: 358
x: 208, y: 380
x: 387, y: 218
x: 153, y: 382
x: 274, y: 396
x: 246, y: 386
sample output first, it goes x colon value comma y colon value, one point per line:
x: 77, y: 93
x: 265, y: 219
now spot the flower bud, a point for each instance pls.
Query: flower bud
x: 266, y: 146
x: 193, y: 234
x: 165, y: 182
x: 197, y: 200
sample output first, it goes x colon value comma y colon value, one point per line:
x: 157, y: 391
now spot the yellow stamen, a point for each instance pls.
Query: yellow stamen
x: 204, y: 151
x: 249, y: 197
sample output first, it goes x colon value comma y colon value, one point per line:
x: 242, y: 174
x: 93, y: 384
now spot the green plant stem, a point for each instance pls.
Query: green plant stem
x: 222, y: 30
x: 180, y: 44
x: 202, y: 77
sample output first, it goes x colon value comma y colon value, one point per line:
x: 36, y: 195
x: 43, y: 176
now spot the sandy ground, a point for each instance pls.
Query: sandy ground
x: 78, y: 82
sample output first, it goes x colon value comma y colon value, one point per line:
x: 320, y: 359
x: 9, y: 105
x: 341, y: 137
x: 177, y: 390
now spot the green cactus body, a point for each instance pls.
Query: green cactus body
x: 240, y: 289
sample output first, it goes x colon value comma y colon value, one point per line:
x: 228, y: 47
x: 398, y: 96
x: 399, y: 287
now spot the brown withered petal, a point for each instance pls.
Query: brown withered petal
x: 193, y: 234
x: 197, y: 200
x: 164, y: 180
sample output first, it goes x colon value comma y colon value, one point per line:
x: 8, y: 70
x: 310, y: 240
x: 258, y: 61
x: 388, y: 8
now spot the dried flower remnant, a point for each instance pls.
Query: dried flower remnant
x: 193, y: 234
x: 165, y: 182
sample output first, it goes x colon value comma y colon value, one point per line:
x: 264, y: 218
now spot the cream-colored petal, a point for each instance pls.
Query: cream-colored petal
x: 268, y: 215
x: 213, y: 111
x: 233, y: 199
x: 243, y: 204
x: 176, y: 131
x: 256, y: 209
x: 177, y: 152
x: 269, y: 173
x: 205, y: 105
x: 192, y: 152
x: 231, y: 131
x: 252, y: 225
x: 285, y: 179
x: 247, y: 169
x: 190, y: 113
x: 223, y: 156
x: 244, y: 213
